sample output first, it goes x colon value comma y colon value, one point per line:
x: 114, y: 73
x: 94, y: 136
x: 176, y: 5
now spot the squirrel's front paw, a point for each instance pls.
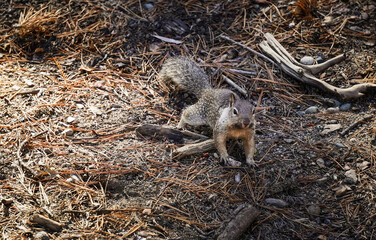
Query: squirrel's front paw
x: 251, y: 162
x: 181, y: 125
x: 232, y: 162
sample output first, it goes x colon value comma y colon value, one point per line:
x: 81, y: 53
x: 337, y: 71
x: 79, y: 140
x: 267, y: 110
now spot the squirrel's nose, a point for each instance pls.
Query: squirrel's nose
x: 246, y: 123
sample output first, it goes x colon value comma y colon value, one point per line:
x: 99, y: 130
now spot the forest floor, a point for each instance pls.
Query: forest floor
x: 79, y: 77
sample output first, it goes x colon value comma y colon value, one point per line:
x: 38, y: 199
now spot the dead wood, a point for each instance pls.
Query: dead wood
x: 305, y: 73
x: 195, y: 148
x: 240, y: 223
x: 46, y: 222
x: 161, y: 133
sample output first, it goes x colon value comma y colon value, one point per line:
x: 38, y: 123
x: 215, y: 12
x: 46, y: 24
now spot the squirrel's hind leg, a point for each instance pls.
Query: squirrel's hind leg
x: 192, y: 116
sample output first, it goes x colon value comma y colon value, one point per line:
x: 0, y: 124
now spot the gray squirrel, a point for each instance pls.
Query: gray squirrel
x: 221, y: 109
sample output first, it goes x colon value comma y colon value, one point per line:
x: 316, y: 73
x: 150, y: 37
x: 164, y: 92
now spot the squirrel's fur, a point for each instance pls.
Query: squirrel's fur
x: 221, y: 109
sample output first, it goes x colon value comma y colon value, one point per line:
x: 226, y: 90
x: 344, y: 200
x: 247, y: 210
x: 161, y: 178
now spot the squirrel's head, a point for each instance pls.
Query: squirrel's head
x: 242, y: 111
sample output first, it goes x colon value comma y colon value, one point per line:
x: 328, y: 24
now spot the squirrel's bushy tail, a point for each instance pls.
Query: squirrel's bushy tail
x: 186, y: 74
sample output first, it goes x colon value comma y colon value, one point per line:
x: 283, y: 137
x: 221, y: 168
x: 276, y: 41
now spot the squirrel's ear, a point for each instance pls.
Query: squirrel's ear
x: 232, y: 99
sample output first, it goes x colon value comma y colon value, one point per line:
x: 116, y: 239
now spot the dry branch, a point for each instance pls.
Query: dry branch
x: 46, y: 222
x: 163, y: 132
x: 195, y: 148
x: 305, y: 74
x: 241, y: 222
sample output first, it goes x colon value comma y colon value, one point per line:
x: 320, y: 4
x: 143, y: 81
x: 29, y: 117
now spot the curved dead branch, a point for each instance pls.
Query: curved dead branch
x: 305, y: 73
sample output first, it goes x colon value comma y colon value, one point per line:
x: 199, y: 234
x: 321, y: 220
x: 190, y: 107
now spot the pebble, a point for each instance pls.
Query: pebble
x: 307, y: 60
x: 71, y: 119
x: 95, y: 110
x: 351, y: 176
x: 29, y: 83
x: 328, y: 128
x: 364, y: 15
x: 341, y: 190
x: 289, y: 140
x: 67, y: 132
x: 149, y: 6
x: 42, y: 236
x: 320, y: 60
x: 345, y: 107
x: 340, y: 145
x: 312, y: 109
x: 332, y: 110
x: 322, y: 180
x: 314, y: 210
x: 276, y: 202
x: 237, y: 177
x: 320, y: 162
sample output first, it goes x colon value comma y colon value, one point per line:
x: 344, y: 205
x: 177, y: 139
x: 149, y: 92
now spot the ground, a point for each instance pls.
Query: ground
x: 79, y: 77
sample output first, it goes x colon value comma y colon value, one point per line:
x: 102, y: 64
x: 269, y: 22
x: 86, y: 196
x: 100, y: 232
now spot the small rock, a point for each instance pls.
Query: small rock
x: 332, y: 110
x: 364, y: 15
x: 29, y: 83
x: 312, y: 109
x: 276, y: 202
x: 95, y: 110
x: 363, y: 165
x: 71, y: 120
x: 322, y: 180
x: 289, y: 140
x: 42, y: 236
x: 307, y: 60
x: 340, y: 145
x: 148, y: 6
x: 146, y: 211
x: 292, y: 24
x: 320, y: 60
x: 233, y: 163
x: 67, y: 132
x: 341, y: 190
x: 155, y: 46
x: 314, y: 210
x: 74, y: 178
x: 345, y: 107
x: 320, y: 162
x: 330, y: 128
x: 237, y: 177
x: 351, y: 176
x: 79, y: 105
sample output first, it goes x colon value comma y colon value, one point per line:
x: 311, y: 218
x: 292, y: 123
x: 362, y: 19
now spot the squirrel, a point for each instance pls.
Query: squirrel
x: 221, y: 109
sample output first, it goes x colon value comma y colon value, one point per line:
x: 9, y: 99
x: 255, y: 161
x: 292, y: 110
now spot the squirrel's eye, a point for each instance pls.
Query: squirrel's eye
x: 235, y: 111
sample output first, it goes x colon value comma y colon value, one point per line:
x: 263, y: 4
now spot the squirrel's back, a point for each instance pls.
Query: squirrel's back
x: 186, y: 74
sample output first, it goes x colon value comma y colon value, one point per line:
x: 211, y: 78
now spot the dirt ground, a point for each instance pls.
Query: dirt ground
x: 79, y: 77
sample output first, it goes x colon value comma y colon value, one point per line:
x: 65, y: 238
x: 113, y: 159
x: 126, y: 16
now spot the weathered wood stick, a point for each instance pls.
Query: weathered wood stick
x: 240, y: 223
x: 46, y: 222
x: 164, y: 132
x: 195, y: 148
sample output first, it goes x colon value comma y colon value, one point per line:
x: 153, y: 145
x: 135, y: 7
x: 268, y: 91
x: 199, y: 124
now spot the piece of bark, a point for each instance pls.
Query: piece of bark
x: 46, y: 222
x: 240, y: 223
x: 160, y: 133
x: 195, y: 148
